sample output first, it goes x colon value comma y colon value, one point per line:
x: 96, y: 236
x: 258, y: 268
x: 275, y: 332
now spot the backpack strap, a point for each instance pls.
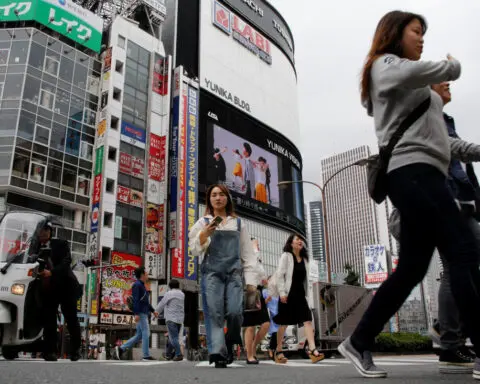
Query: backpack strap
x: 239, y: 224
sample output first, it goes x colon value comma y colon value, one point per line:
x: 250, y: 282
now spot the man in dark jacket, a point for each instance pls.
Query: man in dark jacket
x: 61, y: 288
x: 455, y: 356
x: 141, y: 309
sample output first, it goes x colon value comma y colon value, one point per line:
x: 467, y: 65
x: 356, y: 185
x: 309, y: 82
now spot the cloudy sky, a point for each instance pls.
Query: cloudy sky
x: 332, y: 39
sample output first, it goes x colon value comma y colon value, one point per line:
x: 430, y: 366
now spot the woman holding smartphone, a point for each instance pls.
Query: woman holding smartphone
x: 222, y: 241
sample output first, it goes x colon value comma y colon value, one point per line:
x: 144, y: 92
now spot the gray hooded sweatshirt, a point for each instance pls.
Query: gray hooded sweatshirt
x: 397, y: 87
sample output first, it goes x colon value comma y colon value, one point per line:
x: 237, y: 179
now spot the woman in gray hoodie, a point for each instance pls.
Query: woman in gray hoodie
x: 394, y: 83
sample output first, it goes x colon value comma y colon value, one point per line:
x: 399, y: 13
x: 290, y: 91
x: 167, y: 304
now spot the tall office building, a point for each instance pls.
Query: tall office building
x: 352, y: 216
x: 315, y: 231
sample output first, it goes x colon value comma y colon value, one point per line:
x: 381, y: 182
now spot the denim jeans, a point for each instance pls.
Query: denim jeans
x: 430, y: 218
x: 173, y: 334
x: 142, y: 334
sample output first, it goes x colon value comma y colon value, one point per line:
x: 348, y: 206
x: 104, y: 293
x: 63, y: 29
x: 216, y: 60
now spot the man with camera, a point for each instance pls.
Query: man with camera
x: 60, y: 288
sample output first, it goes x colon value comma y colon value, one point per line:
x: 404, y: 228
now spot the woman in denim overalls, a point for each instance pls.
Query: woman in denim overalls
x: 228, y: 263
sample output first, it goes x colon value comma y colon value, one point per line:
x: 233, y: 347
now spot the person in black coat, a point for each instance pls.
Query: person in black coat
x: 60, y: 288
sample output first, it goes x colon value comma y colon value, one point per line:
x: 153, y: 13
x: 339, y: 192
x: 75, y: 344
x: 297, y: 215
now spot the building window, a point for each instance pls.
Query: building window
x: 42, y: 135
x: 54, y: 176
x: 117, y: 94
x: 110, y: 186
x: 121, y: 41
x: 37, y: 172
x: 47, y: 99
x: 86, y: 151
x: 89, y: 116
x: 83, y: 185
x: 51, y: 66
x: 119, y: 66
x: 112, y: 153
x: 108, y: 219
x: 106, y: 254
x: 4, y: 56
x: 72, y: 142
x: 21, y: 166
x: 68, y: 180
x: 114, y: 123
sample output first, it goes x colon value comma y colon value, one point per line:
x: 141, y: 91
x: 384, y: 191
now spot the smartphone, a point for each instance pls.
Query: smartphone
x: 217, y: 221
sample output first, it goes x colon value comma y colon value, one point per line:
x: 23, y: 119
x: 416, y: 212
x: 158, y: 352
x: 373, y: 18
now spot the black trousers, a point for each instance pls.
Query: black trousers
x: 68, y: 305
x: 429, y: 218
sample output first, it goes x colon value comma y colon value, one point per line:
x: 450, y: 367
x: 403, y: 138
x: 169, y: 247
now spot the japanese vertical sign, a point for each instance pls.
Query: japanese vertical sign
x: 376, y: 269
x: 191, y: 180
x: 178, y: 175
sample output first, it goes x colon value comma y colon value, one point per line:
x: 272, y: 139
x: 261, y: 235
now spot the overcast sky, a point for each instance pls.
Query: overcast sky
x: 332, y: 40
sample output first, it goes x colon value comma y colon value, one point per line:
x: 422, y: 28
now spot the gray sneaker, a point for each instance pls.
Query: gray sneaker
x: 476, y: 369
x: 363, y: 362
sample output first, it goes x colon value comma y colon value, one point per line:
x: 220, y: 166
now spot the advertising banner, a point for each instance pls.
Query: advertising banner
x: 154, y: 192
x: 138, y: 167
x: 133, y: 135
x: 106, y: 318
x: 125, y: 163
x: 99, y: 160
x: 160, y: 75
x: 122, y: 319
x: 178, y: 254
x: 174, y: 158
x: 376, y: 268
x: 155, y: 145
x: 65, y: 17
x: 191, y: 264
x: 136, y: 198
x: 151, y: 264
x: 117, y: 282
x: 123, y: 194
x: 107, y: 66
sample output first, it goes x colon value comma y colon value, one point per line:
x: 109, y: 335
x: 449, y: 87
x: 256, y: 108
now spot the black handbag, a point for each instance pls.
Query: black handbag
x: 378, y: 164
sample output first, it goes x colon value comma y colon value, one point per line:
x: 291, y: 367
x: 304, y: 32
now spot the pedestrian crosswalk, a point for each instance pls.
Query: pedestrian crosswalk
x: 328, y: 363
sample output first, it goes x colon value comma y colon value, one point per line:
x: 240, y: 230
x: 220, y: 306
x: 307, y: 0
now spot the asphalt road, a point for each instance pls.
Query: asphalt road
x: 412, y: 370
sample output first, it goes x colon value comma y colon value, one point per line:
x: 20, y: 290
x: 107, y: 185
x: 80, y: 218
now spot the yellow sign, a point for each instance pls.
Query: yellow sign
x: 94, y: 310
x: 102, y: 127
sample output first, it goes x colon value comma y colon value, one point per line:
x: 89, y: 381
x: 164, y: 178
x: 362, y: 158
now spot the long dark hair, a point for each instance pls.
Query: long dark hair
x: 387, y: 39
x: 288, y: 246
x: 229, y: 208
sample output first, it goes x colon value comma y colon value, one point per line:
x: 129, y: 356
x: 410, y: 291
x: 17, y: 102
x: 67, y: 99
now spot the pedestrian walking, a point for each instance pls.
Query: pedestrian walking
x: 395, y: 88
x: 223, y: 242
x: 60, y: 288
x: 271, y: 298
x: 449, y: 331
x: 254, y: 319
x: 292, y: 283
x: 173, y: 305
x: 142, y: 310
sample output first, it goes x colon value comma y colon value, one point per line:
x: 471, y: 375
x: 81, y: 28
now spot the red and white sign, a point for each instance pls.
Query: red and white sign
x: 106, y: 318
x: 125, y: 163
x: 155, y: 145
x: 97, y: 189
x: 230, y: 23
x: 138, y: 167
x: 155, y: 169
x: 123, y: 194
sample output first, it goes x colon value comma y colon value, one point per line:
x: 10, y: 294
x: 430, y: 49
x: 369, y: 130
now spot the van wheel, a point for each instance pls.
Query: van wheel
x: 9, y: 353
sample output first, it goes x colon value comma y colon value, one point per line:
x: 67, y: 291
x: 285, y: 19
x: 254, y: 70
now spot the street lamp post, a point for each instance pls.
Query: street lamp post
x: 361, y: 163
